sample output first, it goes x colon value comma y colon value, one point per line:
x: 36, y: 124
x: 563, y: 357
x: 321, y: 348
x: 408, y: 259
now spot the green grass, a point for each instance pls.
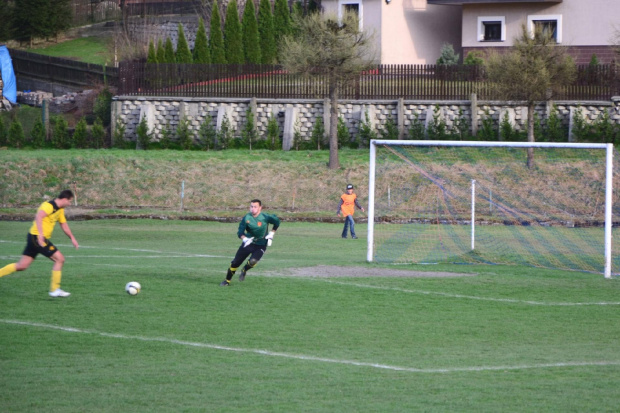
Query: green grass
x: 506, y: 339
x: 84, y: 49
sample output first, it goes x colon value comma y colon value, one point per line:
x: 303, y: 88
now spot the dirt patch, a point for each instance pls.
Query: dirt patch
x: 331, y: 271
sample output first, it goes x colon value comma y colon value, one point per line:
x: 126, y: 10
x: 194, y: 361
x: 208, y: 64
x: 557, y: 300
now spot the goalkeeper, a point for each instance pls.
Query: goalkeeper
x: 255, y: 236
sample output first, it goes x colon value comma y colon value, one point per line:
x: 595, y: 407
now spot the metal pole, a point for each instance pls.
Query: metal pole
x: 182, y: 194
x: 371, y: 201
x: 473, y: 213
x: 608, y: 206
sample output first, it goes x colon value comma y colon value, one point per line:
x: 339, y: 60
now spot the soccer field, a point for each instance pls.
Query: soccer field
x: 405, y: 338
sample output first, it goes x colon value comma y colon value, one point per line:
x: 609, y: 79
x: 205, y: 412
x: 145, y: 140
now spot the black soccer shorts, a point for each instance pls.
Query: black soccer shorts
x: 33, y: 248
x: 256, y: 251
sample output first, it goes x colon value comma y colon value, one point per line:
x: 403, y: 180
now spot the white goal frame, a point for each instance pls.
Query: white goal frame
x: 608, y: 147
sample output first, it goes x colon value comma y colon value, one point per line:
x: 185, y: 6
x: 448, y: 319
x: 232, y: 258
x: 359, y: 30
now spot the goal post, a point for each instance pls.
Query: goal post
x: 478, y: 202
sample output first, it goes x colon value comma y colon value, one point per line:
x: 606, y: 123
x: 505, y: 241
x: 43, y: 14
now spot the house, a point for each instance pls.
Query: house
x: 413, y: 31
x: 406, y: 31
x: 585, y: 27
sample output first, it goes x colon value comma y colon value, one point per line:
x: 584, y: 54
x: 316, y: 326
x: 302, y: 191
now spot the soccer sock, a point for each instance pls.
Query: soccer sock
x: 248, y: 266
x: 8, y: 269
x: 56, y: 275
x: 230, y: 273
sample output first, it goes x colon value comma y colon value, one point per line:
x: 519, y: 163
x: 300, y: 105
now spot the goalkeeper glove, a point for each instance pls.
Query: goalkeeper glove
x: 247, y: 241
x: 270, y: 235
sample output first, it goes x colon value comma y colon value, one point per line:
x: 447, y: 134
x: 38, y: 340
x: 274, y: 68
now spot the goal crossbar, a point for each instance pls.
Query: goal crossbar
x: 600, y: 146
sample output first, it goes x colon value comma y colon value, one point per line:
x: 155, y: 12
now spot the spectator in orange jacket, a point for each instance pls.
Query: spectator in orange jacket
x: 348, y: 202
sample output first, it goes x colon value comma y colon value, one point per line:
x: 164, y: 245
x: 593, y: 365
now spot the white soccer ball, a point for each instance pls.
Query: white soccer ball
x: 133, y: 287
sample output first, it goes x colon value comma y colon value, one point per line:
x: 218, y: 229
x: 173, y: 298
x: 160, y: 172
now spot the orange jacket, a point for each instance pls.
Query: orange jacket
x: 347, y: 204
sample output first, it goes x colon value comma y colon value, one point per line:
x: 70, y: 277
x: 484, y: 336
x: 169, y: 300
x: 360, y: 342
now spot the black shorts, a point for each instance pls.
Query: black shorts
x: 33, y: 248
x: 256, y: 251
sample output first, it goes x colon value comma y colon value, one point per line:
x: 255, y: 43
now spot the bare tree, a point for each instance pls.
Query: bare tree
x: 534, y: 70
x: 336, y: 50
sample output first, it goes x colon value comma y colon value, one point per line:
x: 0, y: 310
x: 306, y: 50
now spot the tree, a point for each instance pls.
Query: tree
x: 332, y: 49
x: 59, y: 16
x: 216, y: 41
x: 201, y: 45
x: 6, y: 15
x: 30, y: 19
x: 152, y: 55
x: 183, y: 54
x: 169, y: 56
x: 268, y: 48
x: 161, y: 53
x: 534, y: 70
x: 447, y: 55
x: 251, y: 40
x: 233, y: 42
x: 282, y: 23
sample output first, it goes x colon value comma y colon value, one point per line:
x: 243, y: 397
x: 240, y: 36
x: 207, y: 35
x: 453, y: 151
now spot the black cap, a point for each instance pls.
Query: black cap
x: 349, y: 186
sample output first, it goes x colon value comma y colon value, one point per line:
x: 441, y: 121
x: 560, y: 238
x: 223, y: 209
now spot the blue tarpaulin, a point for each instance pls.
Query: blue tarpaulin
x: 8, y: 75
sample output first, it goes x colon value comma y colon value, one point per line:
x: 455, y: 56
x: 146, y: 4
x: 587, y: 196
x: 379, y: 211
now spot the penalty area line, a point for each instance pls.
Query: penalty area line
x: 313, y: 358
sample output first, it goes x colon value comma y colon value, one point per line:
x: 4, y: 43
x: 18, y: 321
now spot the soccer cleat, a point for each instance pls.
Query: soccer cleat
x: 225, y: 283
x: 242, y: 275
x: 59, y: 293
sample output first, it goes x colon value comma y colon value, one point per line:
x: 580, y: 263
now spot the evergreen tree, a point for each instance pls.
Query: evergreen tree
x: 183, y: 54
x: 31, y: 19
x: 59, y: 16
x: 216, y: 41
x: 169, y: 56
x: 282, y: 22
x: 201, y: 45
x: 16, y: 136
x: 37, y: 135
x: 152, y: 56
x: 3, y: 133
x: 59, y: 136
x: 6, y: 15
x: 251, y: 40
x: 98, y: 134
x: 80, y: 135
x: 233, y: 42
x: 265, y: 29
x: 161, y: 53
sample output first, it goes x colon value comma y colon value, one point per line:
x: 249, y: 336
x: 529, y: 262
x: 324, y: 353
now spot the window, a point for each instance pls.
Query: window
x: 549, y: 24
x: 351, y: 6
x: 491, y: 29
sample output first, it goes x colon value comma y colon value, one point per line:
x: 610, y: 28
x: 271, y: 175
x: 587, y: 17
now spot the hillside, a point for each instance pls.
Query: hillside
x: 216, y: 184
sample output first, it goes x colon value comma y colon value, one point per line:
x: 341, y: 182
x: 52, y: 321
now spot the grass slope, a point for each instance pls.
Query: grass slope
x: 507, y: 339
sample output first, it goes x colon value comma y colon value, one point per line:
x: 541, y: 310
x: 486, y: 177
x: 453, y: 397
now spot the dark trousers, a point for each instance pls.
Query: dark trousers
x: 348, y: 221
x: 255, y: 251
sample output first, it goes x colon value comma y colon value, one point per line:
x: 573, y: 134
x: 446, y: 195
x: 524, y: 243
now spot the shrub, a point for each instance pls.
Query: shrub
x: 474, y: 58
x: 201, y: 45
x: 437, y: 128
x: 80, y: 135
x: 16, y: 137
x: 119, y: 134
x: 98, y: 134
x: 166, y: 136
x: 367, y: 132
x: 317, y: 136
x: 207, y: 134
x: 60, y: 133
x: 554, y: 130
x: 342, y: 132
x: 3, y: 133
x: 604, y: 128
x: 248, y: 134
x: 143, y: 136
x: 183, y: 54
x: 103, y: 106
x: 416, y: 129
x: 37, y: 134
x: 273, y: 133
x: 225, y: 134
x: 487, y: 130
x: 390, y: 130
x: 447, y: 55
x: 460, y: 127
x: 506, y: 131
x: 184, y: 135
x: 581, y: 129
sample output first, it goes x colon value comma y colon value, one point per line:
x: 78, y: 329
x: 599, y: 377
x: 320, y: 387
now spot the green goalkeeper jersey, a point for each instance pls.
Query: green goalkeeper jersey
x: 257, y: 227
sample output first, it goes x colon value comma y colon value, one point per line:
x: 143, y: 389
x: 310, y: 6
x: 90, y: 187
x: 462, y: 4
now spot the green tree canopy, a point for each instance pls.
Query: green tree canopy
x: 152, y: 55
x: 216, y: 40
x: 251, y: 40
x: 535, y: 70
x: 169, y: 56
x: 201, y: 45
x: 183, y: 54
x: 233, y: 42
x: 330, y: 48
x: 282, y: 22
x: 160, y: 53
x: 268, y: 49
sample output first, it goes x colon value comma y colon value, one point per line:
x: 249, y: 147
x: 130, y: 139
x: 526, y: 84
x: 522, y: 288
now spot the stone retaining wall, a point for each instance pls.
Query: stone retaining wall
x: 301, y: 115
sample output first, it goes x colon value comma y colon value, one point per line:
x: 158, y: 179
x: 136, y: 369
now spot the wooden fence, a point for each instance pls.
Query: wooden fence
x: 420, y: 82
x: 64, y: 71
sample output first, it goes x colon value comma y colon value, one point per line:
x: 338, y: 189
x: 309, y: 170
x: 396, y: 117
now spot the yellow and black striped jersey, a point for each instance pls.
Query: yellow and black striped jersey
x: 54, y: 214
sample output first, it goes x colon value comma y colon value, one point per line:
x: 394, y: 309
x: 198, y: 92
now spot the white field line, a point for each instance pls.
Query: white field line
x: 467, y: 297
x: 315, y: 358
x: 176, y: 254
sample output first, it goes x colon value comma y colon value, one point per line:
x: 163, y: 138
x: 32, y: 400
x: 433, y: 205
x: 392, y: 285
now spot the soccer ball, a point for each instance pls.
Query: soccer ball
x: 133, y: 288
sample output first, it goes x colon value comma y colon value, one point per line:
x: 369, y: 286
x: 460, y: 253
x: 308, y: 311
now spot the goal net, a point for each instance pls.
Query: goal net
x: 480, y: 202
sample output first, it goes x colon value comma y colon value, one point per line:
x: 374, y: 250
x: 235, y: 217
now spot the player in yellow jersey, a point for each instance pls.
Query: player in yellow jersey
x: 38, y: 241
